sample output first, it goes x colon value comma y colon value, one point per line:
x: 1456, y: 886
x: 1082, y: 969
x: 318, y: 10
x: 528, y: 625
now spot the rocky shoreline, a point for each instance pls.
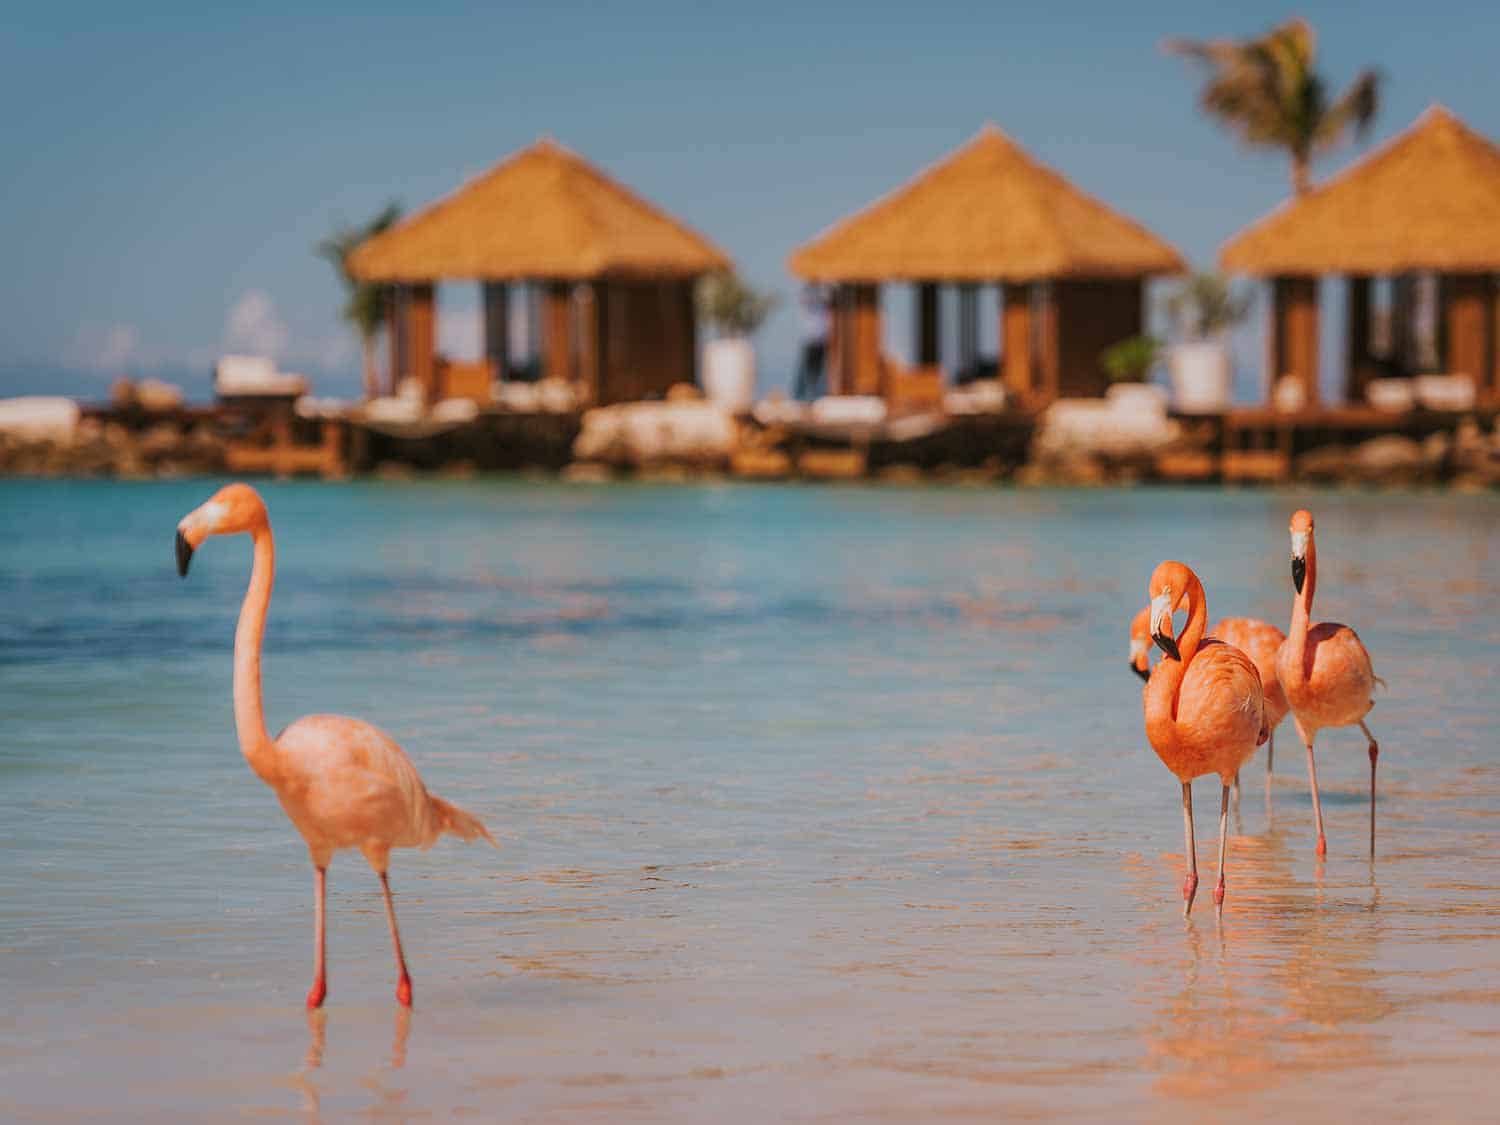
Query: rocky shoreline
x: 688, y: 440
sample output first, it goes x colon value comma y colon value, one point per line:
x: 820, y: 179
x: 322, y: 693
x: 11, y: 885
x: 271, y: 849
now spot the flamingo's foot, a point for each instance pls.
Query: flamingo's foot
x: 1322, y: 845
x: 1189, y: 892
x: 317, y: 994
x: 403, y: 991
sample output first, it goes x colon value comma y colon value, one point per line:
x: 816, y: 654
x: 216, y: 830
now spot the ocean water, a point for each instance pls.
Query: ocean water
x: 815, y: 804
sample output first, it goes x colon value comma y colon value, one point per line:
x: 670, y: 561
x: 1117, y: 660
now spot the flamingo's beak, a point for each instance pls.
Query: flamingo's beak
x: 184, y: 554
x: 1140, y: 663
x: 1161, y: 624
x: 1299, y: 559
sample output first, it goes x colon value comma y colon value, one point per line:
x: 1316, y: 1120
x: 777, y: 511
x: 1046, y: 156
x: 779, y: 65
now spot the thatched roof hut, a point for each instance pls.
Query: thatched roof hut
x: 987, y: 212
x: 544, y: 212
x: 615, y: 273
x: 991, y: 213
x: 1427, y: 201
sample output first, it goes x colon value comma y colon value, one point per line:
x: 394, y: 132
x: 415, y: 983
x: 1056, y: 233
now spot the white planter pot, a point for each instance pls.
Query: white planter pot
x: 1201, y: 377
x: 729, y: 373
x: 1137, y: 398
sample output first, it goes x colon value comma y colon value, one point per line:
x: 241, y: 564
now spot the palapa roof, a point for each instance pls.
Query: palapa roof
x: 1427, y: 200
x: 544, y: 212
x: 987, y: 212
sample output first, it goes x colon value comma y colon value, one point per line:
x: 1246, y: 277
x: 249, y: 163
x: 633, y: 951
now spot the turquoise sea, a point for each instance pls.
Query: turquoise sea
x: 815, y: 804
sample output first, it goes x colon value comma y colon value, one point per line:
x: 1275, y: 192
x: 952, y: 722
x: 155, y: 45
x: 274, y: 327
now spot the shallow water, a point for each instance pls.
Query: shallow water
x: 814, y: 804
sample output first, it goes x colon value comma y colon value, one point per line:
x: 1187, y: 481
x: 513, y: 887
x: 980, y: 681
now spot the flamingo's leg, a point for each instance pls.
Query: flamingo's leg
x: 1374, y: 754
x: 1223, y: 848
x: 1236, y: 791
x: 319, y: 989
x: 403, y: 985
x: 1270, y: 755
x: 1312, y: 779
x: 1190, y: 883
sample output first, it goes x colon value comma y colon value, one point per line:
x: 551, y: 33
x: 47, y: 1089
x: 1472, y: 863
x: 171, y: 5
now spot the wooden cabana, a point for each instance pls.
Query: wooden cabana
x: 1426, y: 203
x: 615, y: 275
x: 1070, y: 271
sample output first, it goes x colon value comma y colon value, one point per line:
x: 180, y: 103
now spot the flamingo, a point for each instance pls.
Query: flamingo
x: 1260, y: 641
x: 1257, y: 639
x: 341, y: 782
x: 1324, y: 670
x: 1205, y: 711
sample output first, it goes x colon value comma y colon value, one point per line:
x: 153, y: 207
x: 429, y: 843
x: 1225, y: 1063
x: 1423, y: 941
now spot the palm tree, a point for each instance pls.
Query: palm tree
x: 1268, y: 92
x: 366, y: 307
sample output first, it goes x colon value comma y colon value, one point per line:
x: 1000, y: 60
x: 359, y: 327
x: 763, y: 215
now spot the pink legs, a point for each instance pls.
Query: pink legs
x: 319, y: 989
x: 1312, y: 778
x: 1190, y: 883
x: 403, y: 986
x: 1223, y: 847
x: 1270, y: 755
x: 1374, y: 754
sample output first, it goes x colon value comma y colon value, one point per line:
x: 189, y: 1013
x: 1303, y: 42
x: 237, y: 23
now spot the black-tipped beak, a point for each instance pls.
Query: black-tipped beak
x: 1299, y: 572
x: 184, y: 554
x: 1167, y: 644
x: 1143, y: 673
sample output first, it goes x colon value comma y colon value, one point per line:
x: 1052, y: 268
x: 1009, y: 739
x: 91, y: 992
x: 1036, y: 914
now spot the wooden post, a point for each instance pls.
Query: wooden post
x: 1491, y: 391
x: 1295, y: 326
x: 496, y: 300
x: 421, y: 349
x: 1049, y: 351
x: 927, y: 324
x: 1357, y: 362
x: 968, y: 328
x: 1468, y: 315
x: 864, y: 333
x: 589, y: 343
x: 396, y: 337
x: 557, y: 341
x: 1015, y: 339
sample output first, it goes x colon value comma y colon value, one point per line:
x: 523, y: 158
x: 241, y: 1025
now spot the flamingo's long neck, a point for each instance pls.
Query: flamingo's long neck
x: 1166, y: 681
x: 1296, y: 636
x: 249, y: 711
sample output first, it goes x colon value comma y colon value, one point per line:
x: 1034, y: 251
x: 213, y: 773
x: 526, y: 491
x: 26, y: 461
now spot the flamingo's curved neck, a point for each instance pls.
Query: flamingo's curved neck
x: 1166, y: 681
x: 1296, y: 635
x: 249, y: 711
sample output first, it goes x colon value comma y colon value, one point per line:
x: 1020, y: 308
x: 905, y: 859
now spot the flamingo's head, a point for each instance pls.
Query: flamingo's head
x: 233, y: 509
x: 1140, y: 644
x: 1302, y: 530
x: 1167, y: 588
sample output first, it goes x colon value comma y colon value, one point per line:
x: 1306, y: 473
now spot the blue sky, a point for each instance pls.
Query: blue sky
x: 167, y: 166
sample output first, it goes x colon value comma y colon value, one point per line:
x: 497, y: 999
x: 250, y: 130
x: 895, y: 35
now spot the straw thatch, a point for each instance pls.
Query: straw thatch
x: 543, y: 213
x: 1427, y: 200
x: 989, y: 212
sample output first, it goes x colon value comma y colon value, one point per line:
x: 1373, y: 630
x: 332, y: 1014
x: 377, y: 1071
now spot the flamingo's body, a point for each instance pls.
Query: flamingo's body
x: 1325, y: 671
x: 342, y: 782
x: 1261, y: 642
x: 1205, y: 711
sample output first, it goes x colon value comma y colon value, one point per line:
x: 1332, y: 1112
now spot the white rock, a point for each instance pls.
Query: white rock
x: 849, y: 410
x: 639, y: 433
x: 39, y: 418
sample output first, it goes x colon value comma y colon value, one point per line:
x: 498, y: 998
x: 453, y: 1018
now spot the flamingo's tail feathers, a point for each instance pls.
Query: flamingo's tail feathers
x: 456, y: 822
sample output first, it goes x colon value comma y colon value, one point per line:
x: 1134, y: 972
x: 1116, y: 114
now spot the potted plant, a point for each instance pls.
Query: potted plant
x: 733, y: 311
x: 1128, y: 365
x: 1202, y: 312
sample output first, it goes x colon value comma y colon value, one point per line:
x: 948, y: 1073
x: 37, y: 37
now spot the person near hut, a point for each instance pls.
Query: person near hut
x: 815, y: 318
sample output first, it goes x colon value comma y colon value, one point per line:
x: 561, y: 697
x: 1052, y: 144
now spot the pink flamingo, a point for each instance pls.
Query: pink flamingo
x: 342, y: 782
x: 1205, y: 712
x: 1140, y: 644
x: 1260, y: 641
x: 1324, y: 670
